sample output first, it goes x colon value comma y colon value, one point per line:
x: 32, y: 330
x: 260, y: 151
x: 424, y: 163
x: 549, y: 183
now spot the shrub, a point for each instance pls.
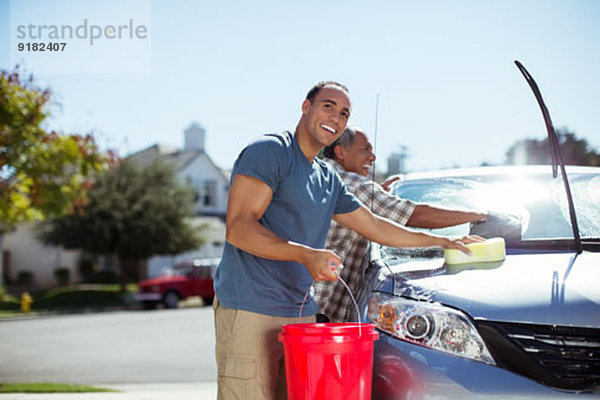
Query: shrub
x: 25, y: 277
x: 87, y: 269
x: 106, y: 277
x: 63, y: 276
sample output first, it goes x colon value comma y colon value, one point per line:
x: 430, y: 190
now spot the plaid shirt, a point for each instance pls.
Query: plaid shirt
x: 332, y: 297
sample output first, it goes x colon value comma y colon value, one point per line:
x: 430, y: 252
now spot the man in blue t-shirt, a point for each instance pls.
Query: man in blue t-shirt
x: 281, y: 202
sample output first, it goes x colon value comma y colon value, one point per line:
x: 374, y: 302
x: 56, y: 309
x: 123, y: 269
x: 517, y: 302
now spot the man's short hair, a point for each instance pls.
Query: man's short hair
x: 312, y: 93
x: 344, y: 141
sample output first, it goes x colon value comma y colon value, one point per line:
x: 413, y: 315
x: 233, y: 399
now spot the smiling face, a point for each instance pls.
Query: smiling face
x: 323, y: 119
x: 357, y: 156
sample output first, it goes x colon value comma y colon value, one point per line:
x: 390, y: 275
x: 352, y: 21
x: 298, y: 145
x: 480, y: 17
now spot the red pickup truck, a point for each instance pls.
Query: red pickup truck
x: 186, y: 279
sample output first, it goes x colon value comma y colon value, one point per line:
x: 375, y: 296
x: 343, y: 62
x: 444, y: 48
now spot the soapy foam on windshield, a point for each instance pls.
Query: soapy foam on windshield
x: 489, y: 251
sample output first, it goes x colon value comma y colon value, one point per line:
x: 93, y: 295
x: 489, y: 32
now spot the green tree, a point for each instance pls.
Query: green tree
x: 132, y: 213
x: 575, y: 151
x: 42, y: 173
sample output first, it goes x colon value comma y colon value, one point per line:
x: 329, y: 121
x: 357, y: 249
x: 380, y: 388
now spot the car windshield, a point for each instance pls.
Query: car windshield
x: 180, y: 271
x: 528, y: 206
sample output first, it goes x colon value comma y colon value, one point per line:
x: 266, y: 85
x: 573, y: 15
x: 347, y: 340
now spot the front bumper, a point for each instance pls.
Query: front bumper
x: 148, y: 296
x: 403, y: 371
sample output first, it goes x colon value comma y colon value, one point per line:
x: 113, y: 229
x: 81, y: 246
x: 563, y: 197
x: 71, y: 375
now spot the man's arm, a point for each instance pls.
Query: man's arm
x: 425, y: 216
x: 248, y: 200
x: 417, y: 215
x: 389, y: 233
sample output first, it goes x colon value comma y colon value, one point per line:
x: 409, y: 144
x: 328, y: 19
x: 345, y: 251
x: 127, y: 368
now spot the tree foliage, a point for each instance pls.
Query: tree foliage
x: 132, y: 212
x: 41, y: 173
x: 575, y: 151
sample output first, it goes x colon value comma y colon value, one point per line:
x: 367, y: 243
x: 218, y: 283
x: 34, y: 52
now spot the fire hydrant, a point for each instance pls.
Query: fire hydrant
x: 26, y: 301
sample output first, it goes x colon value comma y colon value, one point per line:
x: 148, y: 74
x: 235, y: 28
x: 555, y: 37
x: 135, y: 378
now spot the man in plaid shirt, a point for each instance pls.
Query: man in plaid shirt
x: 352, y: 157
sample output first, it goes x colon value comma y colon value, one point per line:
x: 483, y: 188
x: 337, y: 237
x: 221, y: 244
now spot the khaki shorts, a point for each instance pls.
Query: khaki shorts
x: 249, y: 355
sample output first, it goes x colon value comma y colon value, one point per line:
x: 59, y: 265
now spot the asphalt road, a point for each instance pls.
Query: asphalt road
x: 114, y: 347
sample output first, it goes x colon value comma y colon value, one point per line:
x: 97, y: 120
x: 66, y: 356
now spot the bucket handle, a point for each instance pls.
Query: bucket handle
x: 351, y: 296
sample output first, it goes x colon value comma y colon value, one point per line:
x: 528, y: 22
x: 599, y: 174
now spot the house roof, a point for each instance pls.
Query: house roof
x: 179, y: 158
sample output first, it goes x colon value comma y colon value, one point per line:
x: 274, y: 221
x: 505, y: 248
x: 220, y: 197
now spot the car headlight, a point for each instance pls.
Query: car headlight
x: 428, y: 324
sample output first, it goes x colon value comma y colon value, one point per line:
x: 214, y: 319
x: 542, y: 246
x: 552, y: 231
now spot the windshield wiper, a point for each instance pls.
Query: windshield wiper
x: 557, y: 159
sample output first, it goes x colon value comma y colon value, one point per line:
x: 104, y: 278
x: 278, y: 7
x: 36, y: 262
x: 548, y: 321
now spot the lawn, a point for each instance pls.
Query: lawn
x: 48, y: 388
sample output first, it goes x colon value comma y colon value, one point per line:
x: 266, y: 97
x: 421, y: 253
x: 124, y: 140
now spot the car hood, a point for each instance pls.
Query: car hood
x: 557, y: 289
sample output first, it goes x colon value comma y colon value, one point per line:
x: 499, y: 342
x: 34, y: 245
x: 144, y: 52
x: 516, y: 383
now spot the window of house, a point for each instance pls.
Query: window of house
x: 195, y: 185
x: 210, y: 193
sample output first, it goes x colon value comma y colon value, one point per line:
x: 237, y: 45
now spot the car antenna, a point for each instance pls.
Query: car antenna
x: 374, y: 149
x: 373, y: 172
x: 557, y: 159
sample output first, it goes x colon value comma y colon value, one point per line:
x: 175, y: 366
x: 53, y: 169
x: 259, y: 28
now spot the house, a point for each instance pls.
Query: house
x: 195, y: 168
x: 210, y: 183
x: 24, y: 254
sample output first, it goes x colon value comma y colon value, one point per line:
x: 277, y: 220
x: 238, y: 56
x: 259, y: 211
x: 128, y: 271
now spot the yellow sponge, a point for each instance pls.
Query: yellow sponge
x: 491, y: 250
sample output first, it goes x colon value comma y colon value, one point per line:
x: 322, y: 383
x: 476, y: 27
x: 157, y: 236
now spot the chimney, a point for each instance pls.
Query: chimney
x: 194, y: 137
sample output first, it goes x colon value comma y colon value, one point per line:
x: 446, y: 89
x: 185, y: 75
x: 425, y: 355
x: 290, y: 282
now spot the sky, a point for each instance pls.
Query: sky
x: 435, y: 76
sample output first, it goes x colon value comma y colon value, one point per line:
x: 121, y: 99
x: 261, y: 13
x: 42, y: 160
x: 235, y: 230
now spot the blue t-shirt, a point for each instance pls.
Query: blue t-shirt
x: 305, y: 197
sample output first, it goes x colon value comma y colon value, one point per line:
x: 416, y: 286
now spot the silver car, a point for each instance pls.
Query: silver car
x: 524, y: 327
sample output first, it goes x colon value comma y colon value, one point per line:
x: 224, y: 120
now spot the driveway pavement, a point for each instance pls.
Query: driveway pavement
x: 134, y: 391
x: 166, y: 346
x: 128, y: 351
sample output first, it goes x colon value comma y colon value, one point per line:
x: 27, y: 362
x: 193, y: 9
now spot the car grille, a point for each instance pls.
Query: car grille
x: 562, y: 357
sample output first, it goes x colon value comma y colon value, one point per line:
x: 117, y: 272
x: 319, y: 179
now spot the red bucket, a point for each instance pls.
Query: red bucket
x: 328, y: 361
